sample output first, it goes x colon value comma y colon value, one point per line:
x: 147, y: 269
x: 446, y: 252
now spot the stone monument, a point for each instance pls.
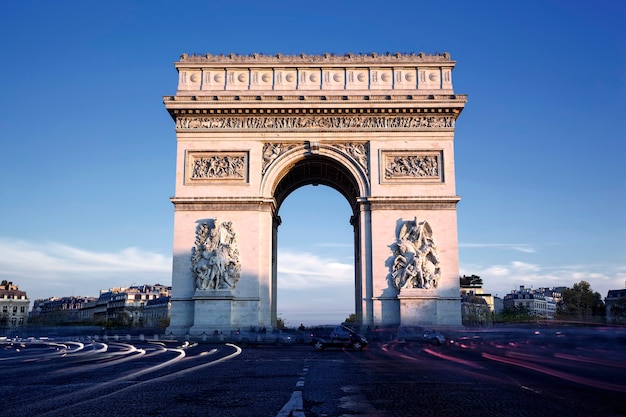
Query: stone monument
x: 378, y: 128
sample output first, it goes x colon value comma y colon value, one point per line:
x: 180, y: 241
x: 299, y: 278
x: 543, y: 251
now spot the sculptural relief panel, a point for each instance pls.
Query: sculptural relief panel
x: 415, y: 257
x: 206, y: 166
x: 215, y: 257
x: 411, y: 166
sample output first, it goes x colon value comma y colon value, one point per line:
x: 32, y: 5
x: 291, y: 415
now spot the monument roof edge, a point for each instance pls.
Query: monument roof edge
x: 303, y: 59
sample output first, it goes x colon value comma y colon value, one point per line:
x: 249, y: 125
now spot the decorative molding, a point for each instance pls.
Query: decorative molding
x: 412, y: 165
x: 314, y: 122
x: 260, y: 58
x: 210, y: 166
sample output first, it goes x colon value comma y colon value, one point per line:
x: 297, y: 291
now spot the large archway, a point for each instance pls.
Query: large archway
x: 316, y: 263
x: 252, y: 129
x: 315, y: 169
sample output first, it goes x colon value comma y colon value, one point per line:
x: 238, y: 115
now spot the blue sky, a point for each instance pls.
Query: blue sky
x: 87, y: 149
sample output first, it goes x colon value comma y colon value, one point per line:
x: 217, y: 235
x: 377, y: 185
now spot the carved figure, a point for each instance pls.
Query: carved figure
x: 215, y: 258
x: 416, y: 262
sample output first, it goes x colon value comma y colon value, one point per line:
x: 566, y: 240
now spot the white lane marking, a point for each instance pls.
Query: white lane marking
x: 294, y: 407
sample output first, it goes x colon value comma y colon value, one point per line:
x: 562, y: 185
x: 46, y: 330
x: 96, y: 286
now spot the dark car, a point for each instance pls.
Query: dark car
x: 338, y: 336
x: 420, y: 334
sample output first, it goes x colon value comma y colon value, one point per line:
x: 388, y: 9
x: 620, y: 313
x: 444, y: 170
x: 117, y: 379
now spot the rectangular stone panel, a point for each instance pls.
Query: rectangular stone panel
x: 285, y: 79
x: 213, y: 79
x: 333, y: 79
x: 404, y: 78
x: 429, y: 79
x: 309, y: 79
x: 189, y: 79
x: 357, y: 79
x: 261, y: 79
x: 411, y: 166
x: 203, y: 167
x: 381, y: 78
x: 237, y: 79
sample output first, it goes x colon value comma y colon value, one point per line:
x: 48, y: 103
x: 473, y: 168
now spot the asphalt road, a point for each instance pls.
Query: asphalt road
x: 514, y: 373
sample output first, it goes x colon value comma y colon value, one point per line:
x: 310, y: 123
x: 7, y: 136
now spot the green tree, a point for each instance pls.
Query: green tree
x: 351, y: 319
x: 580, y: 303
x: 517, y: 314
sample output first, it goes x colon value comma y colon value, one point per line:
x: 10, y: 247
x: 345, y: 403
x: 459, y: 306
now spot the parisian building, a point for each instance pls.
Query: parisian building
x: 477, y: 306
x: 13, y: 306
x: 59, y: 310
x: 126, y: 306
x: 615, y: 303
x: 536, y: 301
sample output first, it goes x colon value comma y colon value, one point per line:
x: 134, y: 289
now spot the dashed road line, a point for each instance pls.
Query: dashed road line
x: 295, y: 405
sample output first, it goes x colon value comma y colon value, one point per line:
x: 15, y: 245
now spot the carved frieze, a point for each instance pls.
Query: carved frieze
x: 411, y: 165
x: 209, y: 166
x: 215, y: 257
x: 314, y: 122
x: 415, y: 257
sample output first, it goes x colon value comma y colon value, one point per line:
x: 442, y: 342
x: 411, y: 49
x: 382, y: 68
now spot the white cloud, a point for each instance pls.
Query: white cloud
x: 53, y: 269
x: 520, y: 247
x: 306, y: 271
x: 523, y: 266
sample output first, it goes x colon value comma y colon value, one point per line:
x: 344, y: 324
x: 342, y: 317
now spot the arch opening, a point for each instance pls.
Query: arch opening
x: 315, y: 258
x: 338, y: 186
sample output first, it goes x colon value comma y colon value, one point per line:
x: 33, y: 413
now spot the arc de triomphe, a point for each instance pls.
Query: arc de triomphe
x: 379, y: 129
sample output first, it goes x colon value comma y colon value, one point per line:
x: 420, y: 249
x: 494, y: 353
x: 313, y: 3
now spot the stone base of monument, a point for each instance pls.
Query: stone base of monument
x: 222, y: 311
x: 423, y: 307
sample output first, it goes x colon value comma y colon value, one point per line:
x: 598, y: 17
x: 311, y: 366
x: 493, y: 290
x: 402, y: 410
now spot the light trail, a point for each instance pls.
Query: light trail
x: 557, y: 374
x: 70, y: 398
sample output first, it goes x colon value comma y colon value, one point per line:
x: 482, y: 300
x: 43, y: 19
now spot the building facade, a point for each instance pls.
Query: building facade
x: 250, y: 130
x: 125, y: 306
x: 536, y: 301
x: 60, y: 310
x: 13, y: 306
x: 615, y: 303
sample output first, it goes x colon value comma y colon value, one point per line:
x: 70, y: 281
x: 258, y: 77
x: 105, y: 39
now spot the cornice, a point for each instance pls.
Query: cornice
x: 326, y: 59
x: 223, y: 203
x: 411, y: 203
x: 314, y: 105
x: 238, y: 99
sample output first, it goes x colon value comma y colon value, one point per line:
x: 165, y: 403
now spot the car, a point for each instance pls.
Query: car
x: 299, y: 336
x: 337, y: 336
x: 275, y: 337
x: 420, y: 334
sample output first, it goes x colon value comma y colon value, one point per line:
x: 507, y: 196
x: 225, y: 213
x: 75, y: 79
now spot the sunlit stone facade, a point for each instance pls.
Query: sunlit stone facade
x: 251, y: 129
